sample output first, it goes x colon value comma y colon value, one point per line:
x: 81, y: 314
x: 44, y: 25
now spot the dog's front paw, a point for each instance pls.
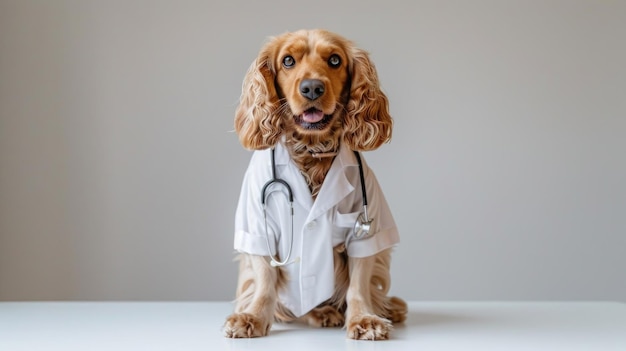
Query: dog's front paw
x: 245, y: 325
x: 368, y: 327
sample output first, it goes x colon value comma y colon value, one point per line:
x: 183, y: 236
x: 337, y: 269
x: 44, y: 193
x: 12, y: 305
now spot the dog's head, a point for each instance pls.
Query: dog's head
x: 315, y: 85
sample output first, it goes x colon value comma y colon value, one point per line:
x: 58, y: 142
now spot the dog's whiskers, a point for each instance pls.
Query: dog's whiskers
x: 283, y: 108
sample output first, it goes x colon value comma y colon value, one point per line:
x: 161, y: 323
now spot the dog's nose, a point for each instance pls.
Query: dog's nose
x: 312, y: 88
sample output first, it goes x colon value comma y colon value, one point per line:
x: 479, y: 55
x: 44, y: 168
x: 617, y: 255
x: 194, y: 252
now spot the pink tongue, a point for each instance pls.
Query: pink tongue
x: 312, y: 116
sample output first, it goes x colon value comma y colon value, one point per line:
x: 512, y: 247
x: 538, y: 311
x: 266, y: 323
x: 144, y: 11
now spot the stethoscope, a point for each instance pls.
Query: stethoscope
x: 362, y: 226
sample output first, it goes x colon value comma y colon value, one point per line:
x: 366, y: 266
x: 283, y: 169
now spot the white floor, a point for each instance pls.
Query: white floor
x: 67, y: 326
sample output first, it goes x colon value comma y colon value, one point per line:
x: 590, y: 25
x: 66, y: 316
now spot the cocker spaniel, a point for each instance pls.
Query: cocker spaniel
x: 310, y: 102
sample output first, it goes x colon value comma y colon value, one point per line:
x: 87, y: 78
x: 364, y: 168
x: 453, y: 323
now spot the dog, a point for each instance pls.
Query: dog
x: 309, y: 100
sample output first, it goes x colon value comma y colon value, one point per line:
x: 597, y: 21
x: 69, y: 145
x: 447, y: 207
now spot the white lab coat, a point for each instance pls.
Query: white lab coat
x: 317, y: 226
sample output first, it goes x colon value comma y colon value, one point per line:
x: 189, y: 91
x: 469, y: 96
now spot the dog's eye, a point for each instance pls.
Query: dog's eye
x: 334, y: 61
x: 288, y: 61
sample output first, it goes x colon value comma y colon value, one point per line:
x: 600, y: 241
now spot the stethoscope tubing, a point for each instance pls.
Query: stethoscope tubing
x: 361, y: 227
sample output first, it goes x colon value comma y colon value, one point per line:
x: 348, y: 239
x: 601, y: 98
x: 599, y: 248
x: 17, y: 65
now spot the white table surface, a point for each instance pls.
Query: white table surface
x: 598, y: 326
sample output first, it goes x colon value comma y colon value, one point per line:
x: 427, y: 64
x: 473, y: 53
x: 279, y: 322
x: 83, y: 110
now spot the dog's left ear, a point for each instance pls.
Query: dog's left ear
x: 368, y: 123
x: 256, y: 121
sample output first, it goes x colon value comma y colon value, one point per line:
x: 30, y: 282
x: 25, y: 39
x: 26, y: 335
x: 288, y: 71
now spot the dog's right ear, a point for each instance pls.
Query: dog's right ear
x: 256, y: 121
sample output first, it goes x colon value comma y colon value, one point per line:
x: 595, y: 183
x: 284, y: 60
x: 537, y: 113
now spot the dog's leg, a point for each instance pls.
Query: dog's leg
x: 256, y: 299
x: 363, y: 323
x: 389, y: 307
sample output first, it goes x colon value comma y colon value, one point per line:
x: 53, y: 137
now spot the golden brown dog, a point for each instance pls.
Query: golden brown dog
x: 314, y: 92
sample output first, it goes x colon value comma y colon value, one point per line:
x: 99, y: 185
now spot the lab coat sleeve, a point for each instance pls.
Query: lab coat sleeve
x: 250, y: 235
x: 385, y: 230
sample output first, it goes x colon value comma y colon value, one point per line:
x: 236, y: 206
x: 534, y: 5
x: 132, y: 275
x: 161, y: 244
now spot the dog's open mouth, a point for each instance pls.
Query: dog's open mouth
x: 313, y: 119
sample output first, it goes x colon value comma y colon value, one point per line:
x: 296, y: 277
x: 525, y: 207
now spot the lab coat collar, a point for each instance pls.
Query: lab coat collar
x: 336, y: 185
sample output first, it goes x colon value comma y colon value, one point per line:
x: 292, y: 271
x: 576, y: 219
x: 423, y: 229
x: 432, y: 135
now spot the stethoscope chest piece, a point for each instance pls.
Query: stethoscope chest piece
x: 362, y: 226
x: 363, y: 223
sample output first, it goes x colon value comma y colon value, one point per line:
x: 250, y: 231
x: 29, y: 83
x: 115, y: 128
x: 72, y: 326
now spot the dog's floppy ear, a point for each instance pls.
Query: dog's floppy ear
x: 368, y: 123
x: 256, y: 121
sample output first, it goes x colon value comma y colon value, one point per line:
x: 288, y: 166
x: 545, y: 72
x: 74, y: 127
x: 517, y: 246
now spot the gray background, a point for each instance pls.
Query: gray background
x: 119, y: 170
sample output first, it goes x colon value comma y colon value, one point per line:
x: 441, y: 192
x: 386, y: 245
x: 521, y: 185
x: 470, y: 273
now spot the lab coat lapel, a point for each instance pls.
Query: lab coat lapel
x: 336, y: 185
x: 301, y: 192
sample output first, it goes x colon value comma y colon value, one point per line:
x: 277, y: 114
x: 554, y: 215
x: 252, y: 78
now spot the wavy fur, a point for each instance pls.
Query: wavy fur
x: 368, y: 123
